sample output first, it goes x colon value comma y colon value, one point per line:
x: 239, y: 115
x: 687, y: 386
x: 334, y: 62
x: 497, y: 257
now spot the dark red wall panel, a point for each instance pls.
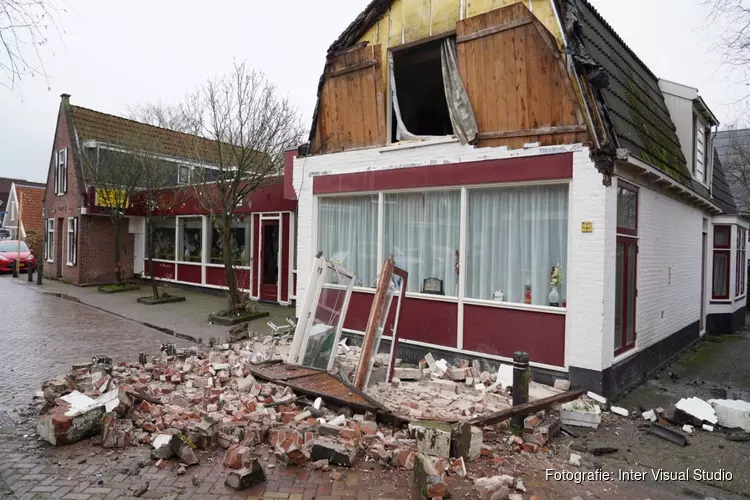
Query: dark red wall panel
x: 162, y: 270
x: 216, y: 276
x: 189, y: 273
x: 502, y: 332
x: 422, y: 320
x: 544, y: 167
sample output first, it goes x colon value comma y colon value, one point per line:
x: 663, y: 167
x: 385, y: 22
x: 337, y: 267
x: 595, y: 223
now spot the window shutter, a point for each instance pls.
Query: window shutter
x: 65, y: 171
x: 515, y: 75
x: 351, y: 108
x: 56, y: 170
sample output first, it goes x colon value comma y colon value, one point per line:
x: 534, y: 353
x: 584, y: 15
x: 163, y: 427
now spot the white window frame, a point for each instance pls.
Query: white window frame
x: 72, y: 229
x: 180, y: 180
x: 49, y: 247
x: 61, y: 172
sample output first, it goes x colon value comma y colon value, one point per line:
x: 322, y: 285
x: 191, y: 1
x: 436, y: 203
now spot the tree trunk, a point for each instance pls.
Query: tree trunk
x: 118, y: 269
x: 150, y: 250
x: 234, y: 296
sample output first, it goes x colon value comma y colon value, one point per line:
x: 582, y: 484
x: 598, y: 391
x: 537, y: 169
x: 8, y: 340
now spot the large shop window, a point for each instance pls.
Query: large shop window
x: 239, y: 243
x: 190, y: 239
x: 164, y: 240
x: 515, y: 237
x: 722, y: 252
x: 421, y: 231
x: 626, y: 262
x: 348, y: 235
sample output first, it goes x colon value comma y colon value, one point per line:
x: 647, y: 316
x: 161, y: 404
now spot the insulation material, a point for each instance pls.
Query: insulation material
x: 416, y: 18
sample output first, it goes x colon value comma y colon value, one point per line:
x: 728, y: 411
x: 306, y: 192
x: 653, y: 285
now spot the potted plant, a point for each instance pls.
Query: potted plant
x: 555, y: 281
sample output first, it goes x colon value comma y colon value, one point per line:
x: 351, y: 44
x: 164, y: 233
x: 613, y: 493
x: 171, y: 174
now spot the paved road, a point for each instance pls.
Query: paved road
x: 42, y: 336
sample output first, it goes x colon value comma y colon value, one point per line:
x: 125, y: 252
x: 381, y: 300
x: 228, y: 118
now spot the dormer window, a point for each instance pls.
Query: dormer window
x: 183, y: 174
x: 702, y: 148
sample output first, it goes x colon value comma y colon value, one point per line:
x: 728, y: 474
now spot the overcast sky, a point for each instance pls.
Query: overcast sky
x: 112, y: 55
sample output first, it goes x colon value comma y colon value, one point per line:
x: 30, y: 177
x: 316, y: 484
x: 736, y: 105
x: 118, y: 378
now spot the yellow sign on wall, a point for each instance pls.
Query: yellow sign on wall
x: 111, y: 198
x: 587, y: 227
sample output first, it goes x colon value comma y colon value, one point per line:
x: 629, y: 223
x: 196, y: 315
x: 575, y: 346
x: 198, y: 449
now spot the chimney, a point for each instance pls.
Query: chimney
x: 65, y: 98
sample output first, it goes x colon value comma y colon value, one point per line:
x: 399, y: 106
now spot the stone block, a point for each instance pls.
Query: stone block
x: 445, y: 385
x: 433, y: 438
x: 467, y: 442
x: 732, y: 414
x: 581, y: 413
x: 165, y: 446
x: 246, y: 384
x: 70, y: 423
x: 246, y: 478
x: 187, y: 455
x: 116, y: 433
x: 237, y: 456
x: 407, y: 373
x: 427, y: 477
x: 405, y: 458
x: 336, y: 453
x: 562, y: 384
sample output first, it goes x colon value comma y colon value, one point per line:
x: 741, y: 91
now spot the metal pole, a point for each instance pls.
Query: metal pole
x: 521, y: 378
x: 39, y: 271
x: 31, y: 274
x: 17, y: 267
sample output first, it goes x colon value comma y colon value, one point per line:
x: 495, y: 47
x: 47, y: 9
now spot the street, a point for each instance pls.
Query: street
x: 44, y: 335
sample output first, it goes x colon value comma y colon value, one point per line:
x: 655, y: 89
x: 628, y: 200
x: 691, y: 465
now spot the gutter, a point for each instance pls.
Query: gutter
x: 666, y: 182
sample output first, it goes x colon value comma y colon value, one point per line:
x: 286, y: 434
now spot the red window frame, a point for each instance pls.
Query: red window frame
x: 633, y: 189
x: 740, y: 271
x: 721, y: 249
x: 626, y: 237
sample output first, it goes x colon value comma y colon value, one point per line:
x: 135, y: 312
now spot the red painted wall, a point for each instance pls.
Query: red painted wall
x: 545, y: 167
x: 267, y: 199
x: 502, y: 332
x: 190, y: 273
x: 289, y: 193
x: 162, y: 270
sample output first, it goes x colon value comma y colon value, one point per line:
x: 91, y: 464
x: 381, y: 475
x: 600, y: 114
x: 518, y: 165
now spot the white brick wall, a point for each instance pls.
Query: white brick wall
x: 587, y: 267
x: 669, y: 266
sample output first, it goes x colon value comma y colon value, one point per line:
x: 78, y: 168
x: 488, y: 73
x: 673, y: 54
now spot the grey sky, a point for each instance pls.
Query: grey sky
x: 117, y: 54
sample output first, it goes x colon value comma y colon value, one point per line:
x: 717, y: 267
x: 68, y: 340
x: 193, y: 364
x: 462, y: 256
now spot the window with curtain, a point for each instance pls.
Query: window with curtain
x: 190, y: 239
x: 239, y: 243
x: 741, y: 265
x: 164, y: 239
x: 348, y: 235
x: 721, y: 262
x: 515, y: 236
x: 421, y: 231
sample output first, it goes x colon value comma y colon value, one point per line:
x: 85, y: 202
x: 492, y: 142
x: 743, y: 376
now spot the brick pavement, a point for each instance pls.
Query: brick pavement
x: 43, y: 336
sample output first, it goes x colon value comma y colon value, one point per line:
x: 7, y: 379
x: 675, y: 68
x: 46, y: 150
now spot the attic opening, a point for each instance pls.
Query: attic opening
x: 420, y: 92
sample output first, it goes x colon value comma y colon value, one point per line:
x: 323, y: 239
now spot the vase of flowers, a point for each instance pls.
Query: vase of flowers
x: 555, y: 280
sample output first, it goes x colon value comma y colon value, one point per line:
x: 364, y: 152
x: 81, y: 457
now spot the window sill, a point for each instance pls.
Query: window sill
x: 624, y: 352
x: 162, y: 261
x: 519, y: 307
x: 50, y: 261
x: 740, y: 297
x: 221, y: 266
x: 721, y: 301
x: 69, y: 264
x: 399, y: 146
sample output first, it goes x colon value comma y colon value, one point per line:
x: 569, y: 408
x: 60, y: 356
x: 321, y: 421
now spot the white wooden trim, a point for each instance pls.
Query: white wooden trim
x: 516, y: 306
x: 381, y: 227
x: 462, y: 239
x: 205, y: 247
x: 291, y: 292
x: 279, y: 261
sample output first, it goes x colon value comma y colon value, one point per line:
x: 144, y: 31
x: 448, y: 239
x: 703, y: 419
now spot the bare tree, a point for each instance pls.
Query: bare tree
x: 248, y: 126
x: 115, y: 173
x: 734, y: 18
x: 733, y: 145
x: 24, y: 26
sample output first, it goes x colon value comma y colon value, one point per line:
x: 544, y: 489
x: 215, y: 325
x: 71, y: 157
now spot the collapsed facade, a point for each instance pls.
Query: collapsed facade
x: 544, y: 190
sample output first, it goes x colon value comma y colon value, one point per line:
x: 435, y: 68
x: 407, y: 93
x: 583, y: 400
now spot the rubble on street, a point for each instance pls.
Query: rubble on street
x: 189, y: 403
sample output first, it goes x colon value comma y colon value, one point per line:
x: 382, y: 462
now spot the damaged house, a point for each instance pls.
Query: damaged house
x: 543, y: 189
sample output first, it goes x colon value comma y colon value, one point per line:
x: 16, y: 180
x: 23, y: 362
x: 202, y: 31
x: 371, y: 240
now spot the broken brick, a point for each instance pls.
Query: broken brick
x: 247, y: 477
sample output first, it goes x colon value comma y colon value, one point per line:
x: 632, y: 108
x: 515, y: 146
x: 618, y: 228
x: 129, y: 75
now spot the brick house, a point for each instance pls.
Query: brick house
x: 79, y: 242
x: 6, y: 185
x: 29, y: 199
x: 491, y: 141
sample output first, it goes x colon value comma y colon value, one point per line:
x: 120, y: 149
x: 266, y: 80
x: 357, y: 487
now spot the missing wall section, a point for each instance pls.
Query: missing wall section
x: 420, y: 90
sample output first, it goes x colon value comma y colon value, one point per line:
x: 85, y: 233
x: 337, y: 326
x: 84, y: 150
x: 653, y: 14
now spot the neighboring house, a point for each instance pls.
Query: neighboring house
x: 79, y: 237
x: 29, y: 201
x: 5, y: 188
x: 484, y: 146
x: 733, y: 147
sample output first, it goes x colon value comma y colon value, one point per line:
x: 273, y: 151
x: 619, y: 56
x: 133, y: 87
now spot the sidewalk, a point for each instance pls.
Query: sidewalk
x: 188, y: 319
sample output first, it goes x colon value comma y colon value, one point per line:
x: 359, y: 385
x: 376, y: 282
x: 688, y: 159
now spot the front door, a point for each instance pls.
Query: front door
x: 703, y: 282
x: 269, y: 260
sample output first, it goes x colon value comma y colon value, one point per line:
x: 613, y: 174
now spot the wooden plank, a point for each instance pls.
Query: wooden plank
x: 487, y: 48
x: 373, y: 322
x: 522, y: 90
x: 422, y: 41
x: 381, y: 106
x: 566, y: 129
x: 354, y: 81
x: 493, y: 29
x: 548, y: 90
x: 536, y: 84
x: 369, y: 102
x: 497, y: 66
x: 527, y: 408
x: 509, y: 62
x: 352, y: 69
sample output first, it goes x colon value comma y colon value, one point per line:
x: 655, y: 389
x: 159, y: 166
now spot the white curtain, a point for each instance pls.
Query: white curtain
x: 348, y: 234
x: 462, y: 116
x: 421, y: 230
x: 515, y: 236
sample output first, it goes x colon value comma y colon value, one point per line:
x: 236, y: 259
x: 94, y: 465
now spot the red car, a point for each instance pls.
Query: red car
x: 9, y: 253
